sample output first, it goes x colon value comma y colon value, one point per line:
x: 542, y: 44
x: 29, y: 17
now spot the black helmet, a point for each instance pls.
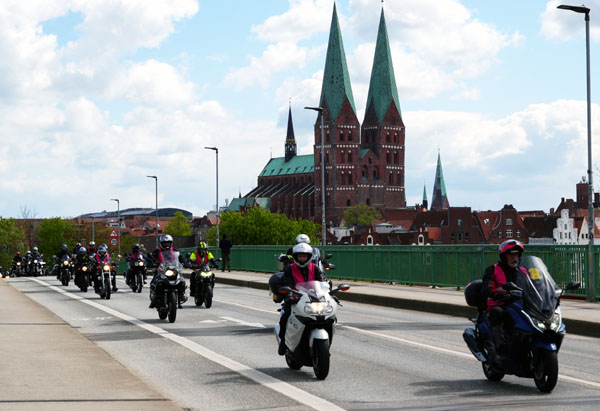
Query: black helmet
x: 166, y: 241
x: 135, y: 247
x: 302, y: 248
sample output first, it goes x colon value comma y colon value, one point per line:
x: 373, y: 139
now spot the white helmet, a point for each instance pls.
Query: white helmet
x: 302, y: 238
x: 302, y: 248
x: 166, y: 238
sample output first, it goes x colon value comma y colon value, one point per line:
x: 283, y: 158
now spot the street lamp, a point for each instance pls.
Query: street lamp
x: 216, y: 150
x: 156, y: 197
x: 591, y: 290
x: 118, y: 222
x: 323, y: 226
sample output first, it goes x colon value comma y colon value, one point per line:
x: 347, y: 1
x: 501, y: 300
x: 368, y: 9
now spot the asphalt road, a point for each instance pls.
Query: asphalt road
x: 224, y: 358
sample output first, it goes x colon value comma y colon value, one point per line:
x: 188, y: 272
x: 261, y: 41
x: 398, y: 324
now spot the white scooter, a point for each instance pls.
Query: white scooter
x: 311, y: 325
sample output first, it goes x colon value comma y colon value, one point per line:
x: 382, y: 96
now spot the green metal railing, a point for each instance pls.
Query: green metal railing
x: 440, y: 266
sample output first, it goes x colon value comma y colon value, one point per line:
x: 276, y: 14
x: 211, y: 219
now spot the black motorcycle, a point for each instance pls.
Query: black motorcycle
x: 103, y: 274
x: 17, y: 269
x: 82, y: 275
x: 167, y: 287
x: 137, y: 273
x: 204, y: 283
x: 64, y: 270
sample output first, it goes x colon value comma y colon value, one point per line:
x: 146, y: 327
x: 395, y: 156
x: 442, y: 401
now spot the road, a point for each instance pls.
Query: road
x: 225, y: 357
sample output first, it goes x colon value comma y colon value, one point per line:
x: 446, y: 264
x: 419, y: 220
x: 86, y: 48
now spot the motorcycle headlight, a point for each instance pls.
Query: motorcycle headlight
x: 65, y: 262
x: 556, y: 321
x: 169, y: 273
x: 207, y: 274
x: 84, y: 268
x: 18, y: 263
x: 318, y: 308
x: 106, y: 267
x: 35, y: 261
x: 537, y: 324
x: 140, y: 263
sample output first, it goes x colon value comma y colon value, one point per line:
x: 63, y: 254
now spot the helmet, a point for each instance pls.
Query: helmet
x: 166, y: 238
x: 92, y: 244
x: 28, y: 252
x: 82, y: 250
x: 77, y: 246
x: 18, y: 253
x: 302, y: 248
x: 35, y: 249
x: 102, y: 249
x: 64, y: 247
x: 202, y: 246
x: 302, y: 238
x: 510, y: 246
x: 135, y: 247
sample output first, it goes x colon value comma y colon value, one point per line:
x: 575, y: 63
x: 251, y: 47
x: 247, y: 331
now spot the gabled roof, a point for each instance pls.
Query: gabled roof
x: 382, y: 88
x: 297, y: 165
x: 540, y: 227
x: 487, y: 220
x: 336, y: 80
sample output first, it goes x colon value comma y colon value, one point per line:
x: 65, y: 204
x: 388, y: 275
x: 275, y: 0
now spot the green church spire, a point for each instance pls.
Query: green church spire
x: 336, y: 80
x: 439, y: 200
x: 382, y: 88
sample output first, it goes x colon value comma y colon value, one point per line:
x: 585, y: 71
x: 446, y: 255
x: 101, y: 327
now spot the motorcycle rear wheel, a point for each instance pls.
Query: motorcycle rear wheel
x: 490, y: 373
x: 172, y: 306
x: 545, y: 374
x: 321, y: 358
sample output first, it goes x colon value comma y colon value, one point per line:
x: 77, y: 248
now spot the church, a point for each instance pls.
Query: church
x: 364, y: 163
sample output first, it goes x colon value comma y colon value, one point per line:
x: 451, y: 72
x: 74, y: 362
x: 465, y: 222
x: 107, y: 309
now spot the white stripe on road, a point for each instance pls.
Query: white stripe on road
x: 281, y: 387
x: 242, y: 322
x: 425, y: 346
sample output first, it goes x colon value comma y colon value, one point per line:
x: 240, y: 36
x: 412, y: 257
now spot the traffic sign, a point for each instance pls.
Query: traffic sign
x: 114, y: 234
x: 114, y: 242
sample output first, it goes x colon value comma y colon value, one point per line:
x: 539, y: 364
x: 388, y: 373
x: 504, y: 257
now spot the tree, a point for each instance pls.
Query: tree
x: 261, y: 227
x: 12, y: 239
x: 178, y: 226
x: 361, y: 214
x: 52, y: 233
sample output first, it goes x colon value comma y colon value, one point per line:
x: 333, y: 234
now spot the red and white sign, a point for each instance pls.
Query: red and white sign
x: 114, y: 242
x: 114, y: 234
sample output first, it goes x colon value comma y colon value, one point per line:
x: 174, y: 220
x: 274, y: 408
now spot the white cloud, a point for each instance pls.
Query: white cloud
x: 564, y: 24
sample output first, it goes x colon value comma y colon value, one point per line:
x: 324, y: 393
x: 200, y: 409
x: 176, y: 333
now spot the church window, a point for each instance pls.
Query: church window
x: 327, y: 157
x: 364, y: 172
x: 348, y: 203
x: 368, y: 201
x: 341, y: 136
x: 349, y: 135
x: 395, y: 137
x: 350, y: 178
x: 343, y: 178
x: 370, y: 160
x: 375, y: 174
x: 387, y: 137
x: 327, y: 139
x: 342, y: 156
x: 349, y: 156
x: 395, y: 157
x: 391, y: 176
x: 387, y: 157
x: 326, y: 177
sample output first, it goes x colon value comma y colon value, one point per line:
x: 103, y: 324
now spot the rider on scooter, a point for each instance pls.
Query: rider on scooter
x: 302, y: 270
x: 506, y: 270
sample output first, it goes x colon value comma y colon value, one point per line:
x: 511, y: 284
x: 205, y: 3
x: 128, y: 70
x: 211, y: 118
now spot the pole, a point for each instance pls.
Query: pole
x: 591, y: 279
x: 93, y: 230
x: 156, y: 208
x: 217, y: 153
x: 119, y: 222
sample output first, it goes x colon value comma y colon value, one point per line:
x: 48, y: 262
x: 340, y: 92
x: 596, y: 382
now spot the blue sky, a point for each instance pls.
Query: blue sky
x: 95, y: 96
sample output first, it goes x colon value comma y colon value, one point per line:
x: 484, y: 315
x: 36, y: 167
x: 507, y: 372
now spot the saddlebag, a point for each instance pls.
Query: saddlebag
x: 474, y: 294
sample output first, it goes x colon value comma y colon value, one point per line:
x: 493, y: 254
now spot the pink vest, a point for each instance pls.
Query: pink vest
x: 102, y: 260
x: 298, y: 277
x: 498, y: 279
x: 161, y: 258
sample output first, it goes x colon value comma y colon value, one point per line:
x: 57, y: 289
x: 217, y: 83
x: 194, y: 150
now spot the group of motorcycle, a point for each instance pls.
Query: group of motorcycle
x: 29, y: 266
x: 86, y: 273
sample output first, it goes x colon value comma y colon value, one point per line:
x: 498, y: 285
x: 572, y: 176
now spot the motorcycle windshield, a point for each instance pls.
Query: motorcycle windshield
x: 171, y: 261
x: 316, y: 289
x: 539, y: 289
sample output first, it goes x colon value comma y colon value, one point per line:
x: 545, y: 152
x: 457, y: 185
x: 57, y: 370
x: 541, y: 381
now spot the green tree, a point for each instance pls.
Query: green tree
x: 52, y: 233
x: 261, y: 227
x: 178, y: 225
x: 361, y: 214
x: 12, y: 239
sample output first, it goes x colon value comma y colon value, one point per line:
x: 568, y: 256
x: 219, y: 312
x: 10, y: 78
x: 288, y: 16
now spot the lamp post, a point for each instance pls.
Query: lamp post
x: 118, y: 222
x: 156, y: 197
x: 93, y: 230
x: 591, y: 294
x: 323, y: 226
x: 216, y: 150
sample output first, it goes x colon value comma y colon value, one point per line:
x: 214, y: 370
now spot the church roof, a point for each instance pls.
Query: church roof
x: 290, y: 138
x: 439, y: 199
x: 336, y: 80
x: 297, y: 165
x: 382, y: 88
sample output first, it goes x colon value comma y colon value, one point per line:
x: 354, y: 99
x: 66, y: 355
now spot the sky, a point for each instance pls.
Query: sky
x: 96, y: 95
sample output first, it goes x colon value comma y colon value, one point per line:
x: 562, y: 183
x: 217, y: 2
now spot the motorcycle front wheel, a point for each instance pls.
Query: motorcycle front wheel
x: 84, y: 284
x: 199, y: 296
x: 293, y: 364
x: 140, y: 283
x: 490, y: 373
x: 172, y: 306
x: 107, y: 287
x: 208, y: 298
x: 545, y: 373
x: 320, y: 358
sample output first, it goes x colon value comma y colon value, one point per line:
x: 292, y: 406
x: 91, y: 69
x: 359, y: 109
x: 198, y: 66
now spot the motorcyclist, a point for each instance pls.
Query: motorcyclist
x: 76, y: 248
x: 507, y: 269
x: 92, y: 250
x: 136, y: 252
x: 166, y: 246
x: 36, y: 253
x: 287, y: 258
x: 198, y: 258
x: 17, y: 259
x: 64, y: 251
x: 102, y: 257
x: 302, y: 269
x: 81, y: 258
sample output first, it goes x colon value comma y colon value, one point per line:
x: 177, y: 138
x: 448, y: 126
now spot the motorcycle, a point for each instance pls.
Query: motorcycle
x: 64, y: 270
x: 167, y: 286
x: 204, y: 285
x: 311, y: 325
x: 17, y: 269
x: 37, y: 266
x: 137, y: 272
x: 82, y: 275
x: 538, y: 331
x: 104, y: 271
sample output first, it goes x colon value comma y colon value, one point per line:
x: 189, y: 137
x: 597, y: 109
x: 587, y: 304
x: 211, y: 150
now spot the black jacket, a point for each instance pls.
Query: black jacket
x: 489, y: 280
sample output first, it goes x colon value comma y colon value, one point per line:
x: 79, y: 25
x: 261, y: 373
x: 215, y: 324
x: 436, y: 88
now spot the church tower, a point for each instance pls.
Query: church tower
x: 290, y: 139
x: 439, y: 200
x: 341, y: 132
x: 382, y: 144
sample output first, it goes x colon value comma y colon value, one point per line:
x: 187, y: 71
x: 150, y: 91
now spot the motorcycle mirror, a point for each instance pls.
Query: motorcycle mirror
x: 343, y: 287
x: 573, y: 285
x: 328, y: 256
x: 285, y: 290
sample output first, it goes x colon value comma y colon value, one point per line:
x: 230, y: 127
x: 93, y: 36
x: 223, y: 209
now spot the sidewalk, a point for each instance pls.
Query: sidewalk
x: 48, y: 365
x: 579, y: 316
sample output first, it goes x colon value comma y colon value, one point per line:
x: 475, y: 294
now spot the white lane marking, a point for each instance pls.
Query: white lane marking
x: 426, y: 346
x: 247, y: 306
x: 242, y: 322
x: 281, y: 387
